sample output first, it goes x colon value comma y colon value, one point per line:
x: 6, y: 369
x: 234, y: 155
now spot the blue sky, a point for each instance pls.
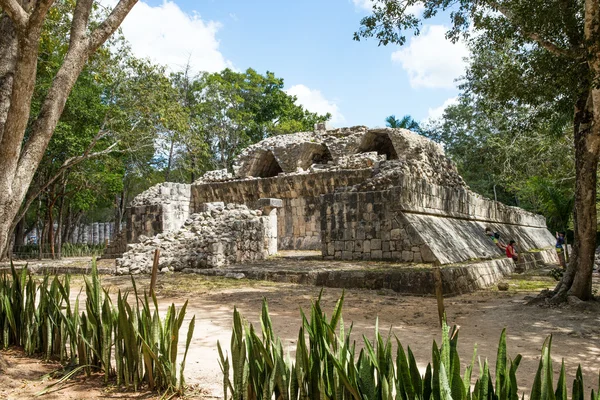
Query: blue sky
x: 309, y: 44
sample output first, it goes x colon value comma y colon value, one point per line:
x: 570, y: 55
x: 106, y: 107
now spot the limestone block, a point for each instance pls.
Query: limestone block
x: 426, y: 254
x: 376, y: 254
x: 375, y: 244
x: 349, y: 246
x: 269, y: 202
x: 367, y: 246
x: 407, y: 256
x: 385, y: 246
x: 358, y: 246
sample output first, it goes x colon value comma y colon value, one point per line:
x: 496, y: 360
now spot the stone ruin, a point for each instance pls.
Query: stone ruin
x: 352, y: 193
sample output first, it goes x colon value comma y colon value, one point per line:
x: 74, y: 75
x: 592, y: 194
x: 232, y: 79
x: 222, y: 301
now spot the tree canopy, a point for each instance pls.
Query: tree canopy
x: 541, y: 57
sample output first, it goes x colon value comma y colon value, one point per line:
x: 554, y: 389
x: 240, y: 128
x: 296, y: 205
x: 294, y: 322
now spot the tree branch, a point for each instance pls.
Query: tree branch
x: 81, y: 17
x: 69, y: 163
x: 110, y: 24
x: 546, y: 44
x: 38, y: 14
x: 15, y: 12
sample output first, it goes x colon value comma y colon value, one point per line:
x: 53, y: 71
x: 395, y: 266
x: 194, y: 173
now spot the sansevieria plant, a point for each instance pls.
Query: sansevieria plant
x: 327, y: 367
x: 127, y: 340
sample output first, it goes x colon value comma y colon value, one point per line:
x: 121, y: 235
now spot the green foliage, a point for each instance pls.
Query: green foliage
x: 528, y: 76
x: 326, y: 367
x: 31, y: 251
x: 231, y: 110
x: 128, y: 341
x: 526, y: 163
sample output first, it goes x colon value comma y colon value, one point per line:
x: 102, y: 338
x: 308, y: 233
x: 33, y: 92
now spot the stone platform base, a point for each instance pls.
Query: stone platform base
x: 413, y: 279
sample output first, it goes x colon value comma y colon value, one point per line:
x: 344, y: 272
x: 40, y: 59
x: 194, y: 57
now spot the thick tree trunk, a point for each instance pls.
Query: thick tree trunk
x: 59, y: 229
x: 8, y: 58
x: 19, y: 158
x: 170, y: 161
x: 586, y: 220
x: 20, y: 234
x: 577, y: 280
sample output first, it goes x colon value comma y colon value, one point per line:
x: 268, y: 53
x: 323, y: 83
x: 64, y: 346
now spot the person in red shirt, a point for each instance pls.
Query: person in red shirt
x: 511, y: 252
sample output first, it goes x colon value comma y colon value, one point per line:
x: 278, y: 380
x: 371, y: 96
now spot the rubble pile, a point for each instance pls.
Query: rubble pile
x: 218, y: 236
x: 162, y: 193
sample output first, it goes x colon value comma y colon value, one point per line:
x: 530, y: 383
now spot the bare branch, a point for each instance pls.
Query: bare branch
x: 38, y: 15
x: 111, y: 23
x: 15, y: 12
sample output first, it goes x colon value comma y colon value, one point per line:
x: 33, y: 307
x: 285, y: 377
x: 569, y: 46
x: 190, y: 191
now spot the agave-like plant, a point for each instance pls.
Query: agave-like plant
x: 129, y: 341
x: 326, y: 367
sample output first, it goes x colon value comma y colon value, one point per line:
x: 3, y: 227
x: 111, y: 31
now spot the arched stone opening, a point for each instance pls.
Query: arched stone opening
x: 266, y: 166
x: 322, y: 157
x: 379, y: 142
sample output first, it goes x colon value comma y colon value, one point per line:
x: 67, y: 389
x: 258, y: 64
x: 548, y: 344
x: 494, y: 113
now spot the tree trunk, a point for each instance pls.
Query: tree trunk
x: 8, y: 59
x: 577, y: 279
x: 68, y: 226
x: 20, y: 234
x: 120, y: 203
x: 20, y: 30
x: 41, y: 238
x: 170, y: 162
x: 59, y: 219
x: 586, y: 166
x: 587, y: 150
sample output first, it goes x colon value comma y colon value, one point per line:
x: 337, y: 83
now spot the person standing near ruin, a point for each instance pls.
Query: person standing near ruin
x: 560, y: 251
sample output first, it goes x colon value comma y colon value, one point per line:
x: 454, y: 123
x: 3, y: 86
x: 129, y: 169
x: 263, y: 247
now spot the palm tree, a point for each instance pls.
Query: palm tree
x: 407, y: 122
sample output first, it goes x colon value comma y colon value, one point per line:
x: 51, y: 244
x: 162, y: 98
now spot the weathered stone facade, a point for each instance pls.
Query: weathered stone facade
x: 162, y: 208
x: 217, y: 236
x: 299, y: 222
x: 416, y: 221
x: 354, y: 193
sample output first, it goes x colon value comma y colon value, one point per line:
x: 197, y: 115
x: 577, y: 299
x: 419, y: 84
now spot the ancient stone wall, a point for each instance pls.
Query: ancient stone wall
x: 217, y: 236
x: 364, y: 226
x: 298, y: 221
x: 355, y: 193
x: 421, y: 222
x: 162, y: 208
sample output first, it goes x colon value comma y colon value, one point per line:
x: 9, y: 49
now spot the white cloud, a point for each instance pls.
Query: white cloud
x: 438, y: 112
x: 169, y: 36
x: 416, y: 9
x: 431, y: 60
x: 314, y: 101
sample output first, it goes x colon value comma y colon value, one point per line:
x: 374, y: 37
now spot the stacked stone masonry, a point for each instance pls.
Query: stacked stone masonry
x: 421, y: 222
x: 217, y: 236
x: 355, y: 193
x: 299, y: 223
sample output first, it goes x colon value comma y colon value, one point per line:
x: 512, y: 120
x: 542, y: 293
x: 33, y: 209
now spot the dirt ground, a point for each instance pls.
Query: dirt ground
x: 481, y: 317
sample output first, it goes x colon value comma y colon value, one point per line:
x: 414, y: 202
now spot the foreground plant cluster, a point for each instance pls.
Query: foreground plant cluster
x: 126, y: 340
x: 327, y: 367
